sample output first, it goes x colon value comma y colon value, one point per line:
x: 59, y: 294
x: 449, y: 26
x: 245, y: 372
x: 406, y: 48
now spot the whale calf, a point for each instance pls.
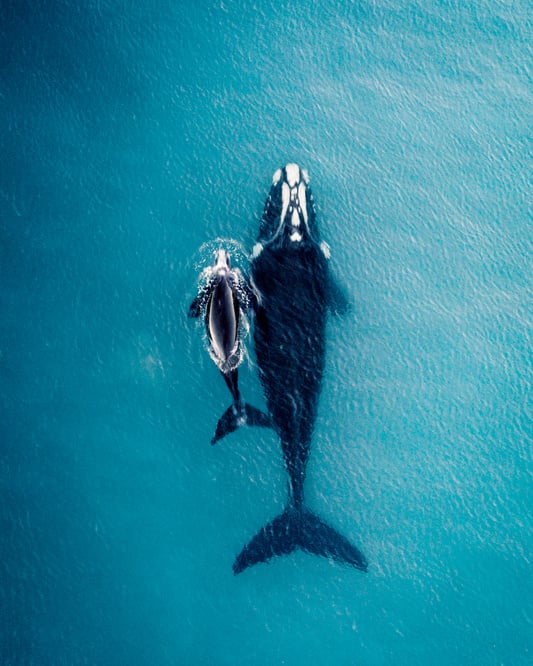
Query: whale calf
x: 294, y: 290
x: 223, y: 300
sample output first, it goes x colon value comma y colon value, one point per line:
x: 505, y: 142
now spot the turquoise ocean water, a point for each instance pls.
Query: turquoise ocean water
x: 131, y: 134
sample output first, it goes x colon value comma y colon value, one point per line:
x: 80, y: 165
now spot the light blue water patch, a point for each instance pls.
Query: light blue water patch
x: 131, y: 135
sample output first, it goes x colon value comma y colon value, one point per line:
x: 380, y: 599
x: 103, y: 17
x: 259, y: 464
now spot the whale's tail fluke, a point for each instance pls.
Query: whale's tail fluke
x: 295, y: 528
x: 237, y: 414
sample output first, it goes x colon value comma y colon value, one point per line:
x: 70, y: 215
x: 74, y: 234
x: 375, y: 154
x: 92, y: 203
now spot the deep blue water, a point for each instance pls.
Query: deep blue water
x: 131, y: 134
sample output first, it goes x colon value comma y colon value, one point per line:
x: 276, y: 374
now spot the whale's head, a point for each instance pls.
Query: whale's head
x: 289, y: 215
x: 222, y: 263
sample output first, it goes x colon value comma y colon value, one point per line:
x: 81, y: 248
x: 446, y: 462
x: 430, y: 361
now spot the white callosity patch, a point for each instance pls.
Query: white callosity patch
x: 295, y: 221
x: 257, y: 249
x: 285, y: 198
x: 293, y: 174
x: 298, y: 200
x: 303, y: 200
x: 293, y: 202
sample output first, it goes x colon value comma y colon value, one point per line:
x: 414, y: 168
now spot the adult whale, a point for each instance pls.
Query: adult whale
x: 294, y: 289
x: 223, y: 299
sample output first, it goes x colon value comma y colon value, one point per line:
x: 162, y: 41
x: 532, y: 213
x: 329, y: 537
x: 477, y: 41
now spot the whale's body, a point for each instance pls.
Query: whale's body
x: 294, y: 287
x: 223, y: 300
x: 289, y: 338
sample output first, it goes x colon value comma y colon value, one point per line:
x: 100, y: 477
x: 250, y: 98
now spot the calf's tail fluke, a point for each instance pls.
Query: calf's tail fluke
x: 298, y: 527
x: 237, y: 414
